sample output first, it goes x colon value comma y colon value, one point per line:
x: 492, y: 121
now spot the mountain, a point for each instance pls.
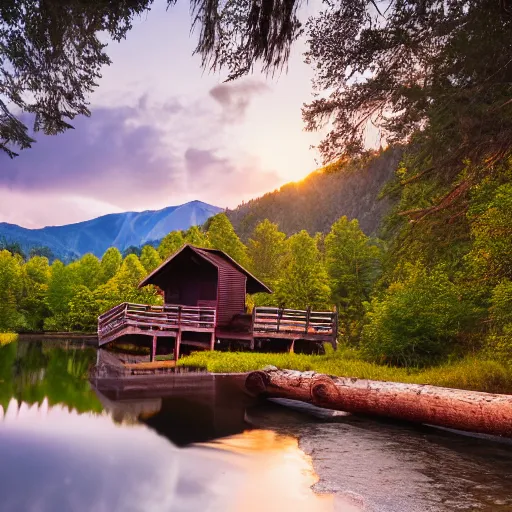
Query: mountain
x: 119, y: 230
x: 343, y: 188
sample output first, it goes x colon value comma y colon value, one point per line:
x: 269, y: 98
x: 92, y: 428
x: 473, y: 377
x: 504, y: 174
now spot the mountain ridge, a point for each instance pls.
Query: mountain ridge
x: 350, y: 188
x: 119, y: 230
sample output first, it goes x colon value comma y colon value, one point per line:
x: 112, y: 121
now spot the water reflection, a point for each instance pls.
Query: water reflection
x: 281, y: 475
x: 54, y: 459
x: 184, y: 408
x: 114, y: 445
x: 57, y: 460
x: 31, y: 371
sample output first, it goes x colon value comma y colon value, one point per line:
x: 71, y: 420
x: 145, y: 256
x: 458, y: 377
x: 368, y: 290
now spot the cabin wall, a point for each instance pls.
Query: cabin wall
x: 230, y: 294
x: 192, y: 287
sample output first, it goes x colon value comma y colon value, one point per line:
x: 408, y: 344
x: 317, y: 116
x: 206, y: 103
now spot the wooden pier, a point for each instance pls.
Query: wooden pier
x: 173, y: 321
x: 169, y: 321
x: 295, y: 324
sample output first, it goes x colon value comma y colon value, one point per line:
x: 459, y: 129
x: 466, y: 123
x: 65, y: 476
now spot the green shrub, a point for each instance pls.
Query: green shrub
x: 7, y: 337
x: 499, y: 341
x: 416, y: 320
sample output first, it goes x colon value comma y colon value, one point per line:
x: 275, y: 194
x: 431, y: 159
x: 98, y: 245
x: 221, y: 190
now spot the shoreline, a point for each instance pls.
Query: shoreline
x: 89, y: 339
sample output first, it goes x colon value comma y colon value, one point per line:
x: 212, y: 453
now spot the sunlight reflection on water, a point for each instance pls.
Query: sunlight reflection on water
x: 280, y: 474
x: 54, y: 459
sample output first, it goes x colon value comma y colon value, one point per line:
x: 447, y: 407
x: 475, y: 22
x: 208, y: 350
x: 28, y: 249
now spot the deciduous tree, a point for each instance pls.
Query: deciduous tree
x: 195, y: 236
x: 36, y: 275
x: 10, y: 291
x: 60, y: 292
x: 150, y: 258
x: 304, y: 282
x: 417, y: 319
x: 88, y: 271
x: 110, y: 264
x: 170, y: 244
x: 222, y: 236
x: 265, y: 250
x: 353, y: 262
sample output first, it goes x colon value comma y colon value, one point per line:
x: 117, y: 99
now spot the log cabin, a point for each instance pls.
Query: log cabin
x: 204, y: 294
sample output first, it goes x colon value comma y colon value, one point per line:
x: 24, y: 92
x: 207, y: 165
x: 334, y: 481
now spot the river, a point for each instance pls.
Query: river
x: 196, y: 442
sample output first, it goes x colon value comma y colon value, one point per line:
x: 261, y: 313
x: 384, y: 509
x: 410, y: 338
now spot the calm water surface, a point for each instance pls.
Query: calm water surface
x: 195, y: 442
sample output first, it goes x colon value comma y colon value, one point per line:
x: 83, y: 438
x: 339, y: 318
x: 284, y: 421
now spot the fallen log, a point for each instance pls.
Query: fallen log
x: 471, y: 411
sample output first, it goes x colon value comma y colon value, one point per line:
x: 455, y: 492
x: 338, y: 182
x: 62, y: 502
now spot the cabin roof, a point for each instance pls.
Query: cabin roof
x: 218, y: 259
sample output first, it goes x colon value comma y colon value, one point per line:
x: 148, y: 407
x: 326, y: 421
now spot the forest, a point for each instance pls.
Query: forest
x: 420, y: 295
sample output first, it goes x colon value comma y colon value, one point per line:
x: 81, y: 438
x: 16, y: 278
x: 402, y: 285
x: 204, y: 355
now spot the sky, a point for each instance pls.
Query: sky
x: 163, y: 132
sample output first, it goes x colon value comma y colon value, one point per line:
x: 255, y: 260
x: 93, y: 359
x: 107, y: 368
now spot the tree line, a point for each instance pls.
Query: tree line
x: 397, y: 310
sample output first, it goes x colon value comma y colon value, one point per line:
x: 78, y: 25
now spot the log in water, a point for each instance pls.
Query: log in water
x: 452, y: 408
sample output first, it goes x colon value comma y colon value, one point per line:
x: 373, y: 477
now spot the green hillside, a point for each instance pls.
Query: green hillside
x: 315, y: 203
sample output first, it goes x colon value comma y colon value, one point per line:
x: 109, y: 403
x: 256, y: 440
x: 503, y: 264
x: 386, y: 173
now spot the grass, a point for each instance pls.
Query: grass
x: 472, y: 373
x: 7, y: 337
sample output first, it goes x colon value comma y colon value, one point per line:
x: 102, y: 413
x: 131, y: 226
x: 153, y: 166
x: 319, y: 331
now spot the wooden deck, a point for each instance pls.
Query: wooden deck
x: 173, y: 320
x: 155, y: 321
x: 295, y: 324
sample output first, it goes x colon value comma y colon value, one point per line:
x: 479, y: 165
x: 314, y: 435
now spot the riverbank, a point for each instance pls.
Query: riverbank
x: 471, y: 373
x: 88, y: 339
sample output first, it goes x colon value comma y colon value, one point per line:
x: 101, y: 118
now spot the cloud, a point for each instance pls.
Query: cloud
x: 231, y: 180
x: 37, y: 209
x: 111, y: 156
x: 150, y: 155
x: 235, y: 98
x: 201, y: 162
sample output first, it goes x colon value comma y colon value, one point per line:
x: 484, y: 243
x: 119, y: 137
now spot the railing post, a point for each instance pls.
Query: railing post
x: 279, y: 315
x: 308, y: 313
x: 179, y: 317
x: 335, y: 328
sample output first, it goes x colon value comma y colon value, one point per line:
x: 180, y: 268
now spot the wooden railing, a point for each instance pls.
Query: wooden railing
x: 162, y: 318
x: 294, y: 321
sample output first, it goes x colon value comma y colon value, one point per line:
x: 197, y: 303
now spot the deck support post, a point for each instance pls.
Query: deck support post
x: 153, y: 349
x: 212, y: 341
x: 291, y: 348
x: 177, y: 344
x: 253, y: 318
